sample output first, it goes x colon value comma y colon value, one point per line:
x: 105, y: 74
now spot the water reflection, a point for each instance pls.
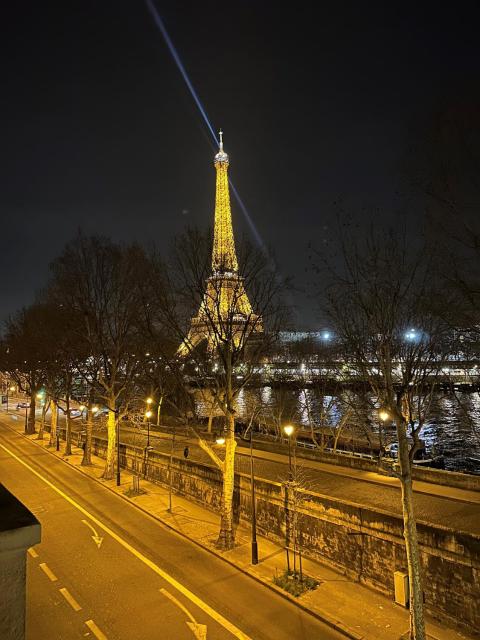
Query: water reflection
x: 452, y: 428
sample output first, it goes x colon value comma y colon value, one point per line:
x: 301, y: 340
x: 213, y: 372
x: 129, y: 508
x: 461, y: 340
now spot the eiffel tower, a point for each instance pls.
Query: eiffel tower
x: 225, y: 312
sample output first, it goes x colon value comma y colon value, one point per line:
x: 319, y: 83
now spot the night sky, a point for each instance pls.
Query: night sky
x: 99, y: 131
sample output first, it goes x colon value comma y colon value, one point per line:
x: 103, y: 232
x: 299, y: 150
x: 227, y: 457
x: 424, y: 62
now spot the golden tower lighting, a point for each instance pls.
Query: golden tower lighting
x: 225, y: 308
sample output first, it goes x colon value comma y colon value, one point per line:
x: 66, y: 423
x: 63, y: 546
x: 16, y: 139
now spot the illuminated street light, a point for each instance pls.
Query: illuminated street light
x: 254, y: 506
x: 383, y: 415
x: 149, y: 401
x: 220, y: 440
x: 289, y: 429
x: 148, y: 415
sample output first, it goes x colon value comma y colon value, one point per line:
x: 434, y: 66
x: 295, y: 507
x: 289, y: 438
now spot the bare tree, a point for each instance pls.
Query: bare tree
x: 381, y: 301
x: 101, y: 283
x: 236, y: 318
x: 24, y: 355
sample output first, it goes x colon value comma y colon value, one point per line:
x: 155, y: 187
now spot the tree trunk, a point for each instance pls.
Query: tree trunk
x: 210, y: 418
x: 41, y: 428
x: 53, y: 425
x: 30, y: 426
x: 87, y: 451
x: 417, y: 622
x: 159, y: 410
x: 226, y: 538
x: 109, y: 470
x: 68, y: 428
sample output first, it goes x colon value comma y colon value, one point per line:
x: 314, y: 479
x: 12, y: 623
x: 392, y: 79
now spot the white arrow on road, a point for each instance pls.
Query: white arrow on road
x: 96, y: 538
x: 198, y: 630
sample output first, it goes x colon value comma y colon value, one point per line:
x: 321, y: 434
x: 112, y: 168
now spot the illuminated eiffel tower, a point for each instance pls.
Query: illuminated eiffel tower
x: 225, y: 312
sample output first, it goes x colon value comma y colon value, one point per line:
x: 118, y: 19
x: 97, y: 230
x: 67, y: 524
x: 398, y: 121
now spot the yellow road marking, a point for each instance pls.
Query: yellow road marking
x: 95, y: 630
x: 70, y: 599
x: 168, y: 595
x: 33, y: 553
x: 226, y: 624
x: 46, y: 569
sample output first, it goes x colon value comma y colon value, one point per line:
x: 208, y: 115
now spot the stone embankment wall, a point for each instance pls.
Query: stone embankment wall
x: 366, y: 544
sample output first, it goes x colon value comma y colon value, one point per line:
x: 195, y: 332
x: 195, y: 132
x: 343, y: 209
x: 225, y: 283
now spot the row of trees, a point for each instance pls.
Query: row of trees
x: 109, y: 323
x: 108, y: 326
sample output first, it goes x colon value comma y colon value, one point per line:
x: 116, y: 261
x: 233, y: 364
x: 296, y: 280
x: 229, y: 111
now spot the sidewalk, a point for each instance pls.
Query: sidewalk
x: 348, y: 606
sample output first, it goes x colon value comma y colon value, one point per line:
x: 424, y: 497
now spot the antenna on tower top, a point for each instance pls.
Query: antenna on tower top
x: 220, y: 133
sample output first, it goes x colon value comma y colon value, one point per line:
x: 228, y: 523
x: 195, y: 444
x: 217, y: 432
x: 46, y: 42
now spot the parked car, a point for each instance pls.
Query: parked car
x: 23, y: 405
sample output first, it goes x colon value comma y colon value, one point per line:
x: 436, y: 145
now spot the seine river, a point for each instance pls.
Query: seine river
x: 452, y: 428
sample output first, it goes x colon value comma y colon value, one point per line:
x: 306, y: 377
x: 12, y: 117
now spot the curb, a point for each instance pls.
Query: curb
x: 323, y: 617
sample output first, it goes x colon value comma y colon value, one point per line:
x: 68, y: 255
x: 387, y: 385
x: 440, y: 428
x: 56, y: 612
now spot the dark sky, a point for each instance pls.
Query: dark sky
x: 99, y: 132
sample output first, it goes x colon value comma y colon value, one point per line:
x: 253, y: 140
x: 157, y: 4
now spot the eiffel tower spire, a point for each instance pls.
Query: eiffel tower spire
x: 225, y: 312
x: 224, y: 258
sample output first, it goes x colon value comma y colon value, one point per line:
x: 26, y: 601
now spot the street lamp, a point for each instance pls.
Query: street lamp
x: 254, y: 506
x: 220, y: 440
x: 289, y: 429
x: 148, y: 415
x: 118, y: 447
x: 383, y: 415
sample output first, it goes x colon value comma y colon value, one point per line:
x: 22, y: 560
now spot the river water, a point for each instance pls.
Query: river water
x: 452, y: 428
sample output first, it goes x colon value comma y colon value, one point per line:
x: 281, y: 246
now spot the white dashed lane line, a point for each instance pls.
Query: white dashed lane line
x: 46, y: 569
x: 70, y: 599
x: 95, y: 630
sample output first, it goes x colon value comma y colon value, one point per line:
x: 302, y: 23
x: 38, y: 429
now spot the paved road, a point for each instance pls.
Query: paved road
x: 434, y: 504
x: 143, y: 581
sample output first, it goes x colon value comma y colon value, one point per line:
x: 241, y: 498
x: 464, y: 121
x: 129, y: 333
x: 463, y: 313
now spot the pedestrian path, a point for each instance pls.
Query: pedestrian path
x: 345, y: 604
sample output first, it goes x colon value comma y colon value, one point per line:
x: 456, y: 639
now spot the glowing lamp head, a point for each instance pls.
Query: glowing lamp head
x: 12, y: 388
x: 220, y: 440
x: 94, y: 409
x: 148, y: 414
x: 383, y: 415
x: 149, y: 400
x: 82, y: 407
x: 288, y: 429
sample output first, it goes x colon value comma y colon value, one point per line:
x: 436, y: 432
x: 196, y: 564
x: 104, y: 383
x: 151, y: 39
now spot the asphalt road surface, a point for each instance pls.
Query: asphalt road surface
x: 106, y: 570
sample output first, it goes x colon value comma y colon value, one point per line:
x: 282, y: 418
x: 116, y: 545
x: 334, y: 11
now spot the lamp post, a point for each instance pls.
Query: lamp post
x: 148, y: 415
x: 384, y: 416
x: 289, y: 430
x: 254, y: 507
x: 26, y: 413
x: 118, y: 451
